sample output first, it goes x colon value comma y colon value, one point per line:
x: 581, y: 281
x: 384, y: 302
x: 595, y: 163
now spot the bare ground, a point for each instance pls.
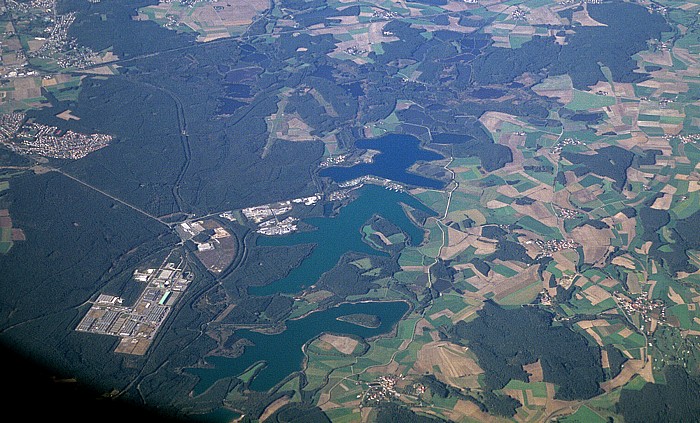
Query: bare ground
x: 344, y: 344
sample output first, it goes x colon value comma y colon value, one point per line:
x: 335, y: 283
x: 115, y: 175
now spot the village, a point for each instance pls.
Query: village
x: 686, y: 138
x: 56, y: 45
x: 566, y: 214
x: 647, y: 308
x: 551, y: 246
x: 333, y: 160
x: 563, y: 143
x: 381, y: 389
x: 368, y: 179
x: 26, y: 137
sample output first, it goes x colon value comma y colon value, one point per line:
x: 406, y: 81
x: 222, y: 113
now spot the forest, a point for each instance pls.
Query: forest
x: 506, y: 339
x: 627, y: 28
x: 674, y: 401
x: 190, y: 122
x: 683, y: 237
x: 611, y: 162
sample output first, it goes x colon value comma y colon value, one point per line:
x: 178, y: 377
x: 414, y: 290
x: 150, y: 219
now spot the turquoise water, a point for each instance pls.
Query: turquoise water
x: 333, y: 237
x: 282, y: 352
x: 337, y: 235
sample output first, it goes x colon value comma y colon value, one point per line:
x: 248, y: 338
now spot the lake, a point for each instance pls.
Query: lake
x: 229, y: 106
x: 281, y: 362
x: 335, y: 236
x: 398, y: 152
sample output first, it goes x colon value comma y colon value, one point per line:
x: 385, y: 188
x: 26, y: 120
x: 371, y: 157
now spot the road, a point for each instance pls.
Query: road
x: 439, y: 220
x: 94, y: 188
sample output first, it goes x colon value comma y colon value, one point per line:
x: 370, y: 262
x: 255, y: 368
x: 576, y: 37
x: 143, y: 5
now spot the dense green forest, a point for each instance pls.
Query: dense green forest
x: 611, y: 162
x: 674, y: 401
x: 191, y: 127
x: 506, y: 339
x: 627, y: 27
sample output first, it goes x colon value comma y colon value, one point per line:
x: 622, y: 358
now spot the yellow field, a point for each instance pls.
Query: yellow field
x: 343, y: 344
x: 276, y: 405
x: 456, y: 367
x: 595, y: 242
x: 212, y: 20
x: 134, y: 346
x: 624, y: 262
x: 596, y: 294
x: 535, y: 371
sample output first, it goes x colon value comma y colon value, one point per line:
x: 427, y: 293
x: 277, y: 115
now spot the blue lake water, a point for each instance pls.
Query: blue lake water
x: 337, y: 235
x: 398, y: 153
x: 283, y: 353
x: 229, y: 106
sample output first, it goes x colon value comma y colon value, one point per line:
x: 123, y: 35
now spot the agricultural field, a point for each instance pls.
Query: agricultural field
x: 535, y: 236
x: 210, y: 20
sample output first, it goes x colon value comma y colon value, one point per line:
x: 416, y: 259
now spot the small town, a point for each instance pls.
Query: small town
x: 333, y: 160
x: 56, y: 45
x: 551, y: 246
x: 138, y: 325
x: 687, y: 138
x: 369, y: 179
x: 518, y: 14
x: 48, y: 141
x: 566, y: 214
x: 10, y: 123
x: 563, y: 143
x: 385, y: 14
x: 339, y: 195
x: 646, y: 307
x: 26, y: 137
x: 354, y: 51
x: 275, y: 227
x: 188, y: 3
x: 544, y: 298
x: 382, y: 389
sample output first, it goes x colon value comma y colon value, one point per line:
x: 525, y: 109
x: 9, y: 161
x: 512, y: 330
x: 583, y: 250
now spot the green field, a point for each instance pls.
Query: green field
x: 343, y: 415
x: 587, y: 101
x: 504, y: 270
x: 561, y: 82
x: 432, y: 248
x: 635, y: 384
x: 5, y: 247
x: 522, y: 296
x: 411, y: 257
x: 406, y: 328
x: 538, y: 389
x: 363, y: 263
x: 248, y: 374
x: 470, y: 175
x: 583, y: 415
x: 538, y: 227
x: 436, y: 200
x: 454, y: 303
